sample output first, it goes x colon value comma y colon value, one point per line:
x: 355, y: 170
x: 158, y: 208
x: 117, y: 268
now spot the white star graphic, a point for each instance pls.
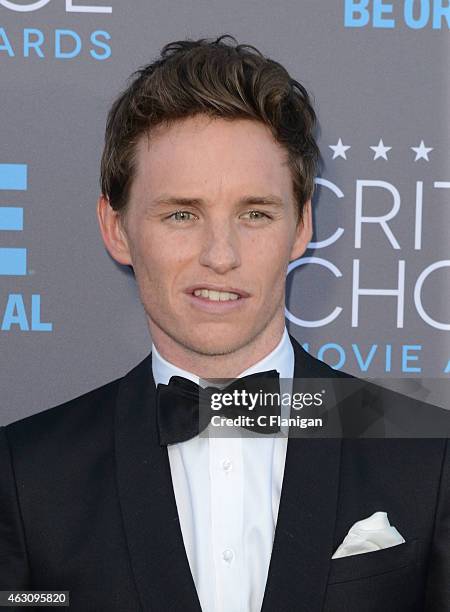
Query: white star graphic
x: 380, y: 150
x: 339, y: 149
x: 422, y: 151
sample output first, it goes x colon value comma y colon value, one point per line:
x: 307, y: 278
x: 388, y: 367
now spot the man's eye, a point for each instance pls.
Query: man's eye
x: 181, y: 215
x: 256, y: 215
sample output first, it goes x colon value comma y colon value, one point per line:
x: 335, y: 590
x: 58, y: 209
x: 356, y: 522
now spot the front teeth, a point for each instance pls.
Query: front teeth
x: 216, y: 296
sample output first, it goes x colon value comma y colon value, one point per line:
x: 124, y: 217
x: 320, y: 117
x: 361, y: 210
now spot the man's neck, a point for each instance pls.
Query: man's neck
x: 207, y: 367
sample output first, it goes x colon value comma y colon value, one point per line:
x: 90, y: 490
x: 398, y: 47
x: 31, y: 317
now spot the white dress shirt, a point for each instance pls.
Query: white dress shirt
x: 227, y: 492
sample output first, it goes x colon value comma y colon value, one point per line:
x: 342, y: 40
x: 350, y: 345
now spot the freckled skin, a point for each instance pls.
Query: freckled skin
x: 215, y: 240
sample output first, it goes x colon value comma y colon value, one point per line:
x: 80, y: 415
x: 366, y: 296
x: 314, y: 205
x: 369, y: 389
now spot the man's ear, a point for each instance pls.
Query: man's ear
x: 113, y: 233
x: 304, y: 231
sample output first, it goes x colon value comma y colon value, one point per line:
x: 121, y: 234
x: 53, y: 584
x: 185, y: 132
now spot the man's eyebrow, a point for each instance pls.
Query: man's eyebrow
x: 269, y: 200
x: 175, y: 201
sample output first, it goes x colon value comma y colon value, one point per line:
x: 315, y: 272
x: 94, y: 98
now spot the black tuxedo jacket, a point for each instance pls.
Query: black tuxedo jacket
x: 87, y: 505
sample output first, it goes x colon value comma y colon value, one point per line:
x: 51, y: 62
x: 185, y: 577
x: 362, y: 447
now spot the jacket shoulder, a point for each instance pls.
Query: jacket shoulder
x: 87, y: 409
x: 305, y: 363
x: 86, y: 401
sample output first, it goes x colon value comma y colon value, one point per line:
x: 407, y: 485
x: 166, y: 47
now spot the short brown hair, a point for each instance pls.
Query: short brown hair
x: 219, y: 78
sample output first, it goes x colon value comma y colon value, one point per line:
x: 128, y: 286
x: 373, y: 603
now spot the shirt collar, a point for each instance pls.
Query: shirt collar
x: 281, y: 358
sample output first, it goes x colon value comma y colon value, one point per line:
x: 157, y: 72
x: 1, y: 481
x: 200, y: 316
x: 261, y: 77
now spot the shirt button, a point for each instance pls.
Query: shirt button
x: 228, y: 555
x: 226, y: 465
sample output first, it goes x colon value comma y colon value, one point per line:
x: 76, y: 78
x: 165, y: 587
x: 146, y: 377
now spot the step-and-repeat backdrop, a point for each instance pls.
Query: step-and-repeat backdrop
x: 371, y: 295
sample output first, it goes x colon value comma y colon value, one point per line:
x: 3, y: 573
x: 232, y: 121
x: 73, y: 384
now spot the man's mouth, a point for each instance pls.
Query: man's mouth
x: 213, y: 293
x: 216, y: 296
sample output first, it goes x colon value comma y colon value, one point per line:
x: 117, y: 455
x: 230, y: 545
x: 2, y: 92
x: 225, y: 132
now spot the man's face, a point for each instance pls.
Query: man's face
x: 189, y: 226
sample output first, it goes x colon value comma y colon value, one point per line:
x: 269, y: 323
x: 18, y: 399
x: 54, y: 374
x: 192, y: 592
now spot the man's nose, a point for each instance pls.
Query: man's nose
x: 220, y: 248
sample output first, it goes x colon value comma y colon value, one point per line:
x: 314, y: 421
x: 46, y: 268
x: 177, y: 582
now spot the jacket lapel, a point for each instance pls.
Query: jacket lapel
x: 303, y: 543
x: 158, y: 557
x: 303, y: 540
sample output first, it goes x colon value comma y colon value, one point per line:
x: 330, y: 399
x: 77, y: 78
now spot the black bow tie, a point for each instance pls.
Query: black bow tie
x: 184, y: 409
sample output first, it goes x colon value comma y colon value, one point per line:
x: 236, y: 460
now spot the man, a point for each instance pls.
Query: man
x: 207, y: 177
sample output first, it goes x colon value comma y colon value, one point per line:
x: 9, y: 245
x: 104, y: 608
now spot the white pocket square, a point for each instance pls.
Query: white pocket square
x: 372, y: 533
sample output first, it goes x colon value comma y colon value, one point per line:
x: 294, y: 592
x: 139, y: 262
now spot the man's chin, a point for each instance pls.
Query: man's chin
x: 215, y: 346
x: 210, y: 340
